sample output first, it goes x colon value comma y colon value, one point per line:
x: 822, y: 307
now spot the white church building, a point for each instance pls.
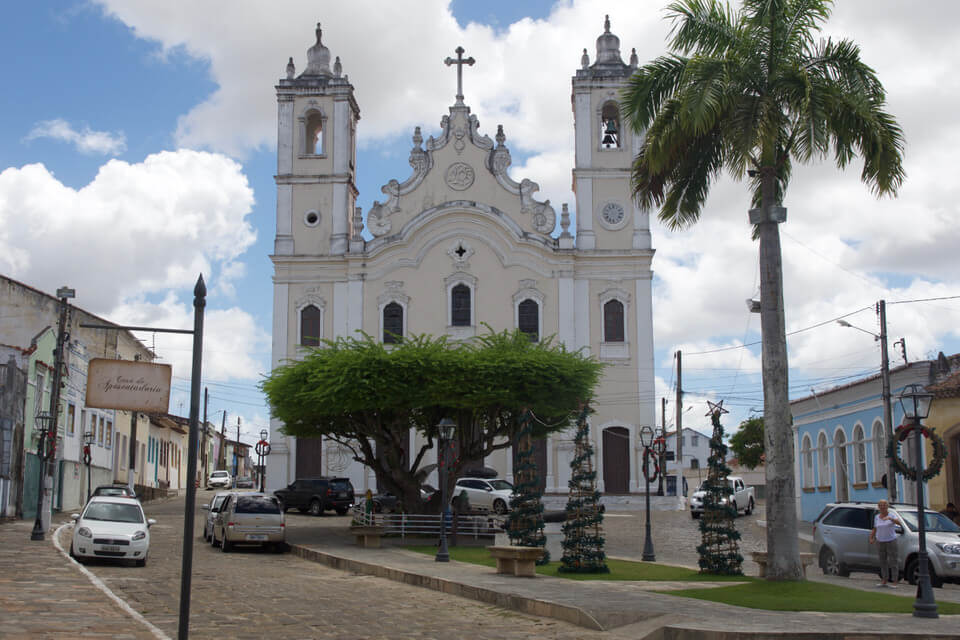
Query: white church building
x: 457, y: 244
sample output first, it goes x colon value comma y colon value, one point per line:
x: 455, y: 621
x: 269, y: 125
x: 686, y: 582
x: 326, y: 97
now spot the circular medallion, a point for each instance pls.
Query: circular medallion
x: 460, y: 176
x: 612, y: 214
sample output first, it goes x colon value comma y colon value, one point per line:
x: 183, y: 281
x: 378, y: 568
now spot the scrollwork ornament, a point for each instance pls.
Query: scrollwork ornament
x: 460, y: 176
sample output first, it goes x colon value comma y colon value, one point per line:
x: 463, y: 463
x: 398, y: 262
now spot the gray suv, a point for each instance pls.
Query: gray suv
x: 841, y: 534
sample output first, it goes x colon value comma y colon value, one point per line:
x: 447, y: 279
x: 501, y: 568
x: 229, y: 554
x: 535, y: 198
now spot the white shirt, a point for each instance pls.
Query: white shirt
x: 885, y: 527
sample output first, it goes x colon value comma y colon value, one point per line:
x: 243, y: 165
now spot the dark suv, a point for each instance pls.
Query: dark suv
x: 316, y: 495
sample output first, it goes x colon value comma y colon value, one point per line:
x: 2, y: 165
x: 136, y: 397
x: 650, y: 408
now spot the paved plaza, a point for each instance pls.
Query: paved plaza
x: 252, y: 594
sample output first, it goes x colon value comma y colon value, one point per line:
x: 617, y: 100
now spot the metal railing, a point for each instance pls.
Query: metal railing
x: 415, y: 524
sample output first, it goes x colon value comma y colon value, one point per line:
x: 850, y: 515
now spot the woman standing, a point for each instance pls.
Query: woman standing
x: 884, y: 535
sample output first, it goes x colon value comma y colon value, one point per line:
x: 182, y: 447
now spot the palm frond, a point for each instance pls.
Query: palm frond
x: 706, y: 27
x: 649, y: 87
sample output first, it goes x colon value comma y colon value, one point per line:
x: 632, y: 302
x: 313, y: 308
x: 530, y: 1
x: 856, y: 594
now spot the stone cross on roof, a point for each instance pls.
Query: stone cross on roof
x: 460, y: 61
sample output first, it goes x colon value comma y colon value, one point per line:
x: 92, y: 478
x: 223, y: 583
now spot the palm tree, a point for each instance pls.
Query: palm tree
x: 750, y: 92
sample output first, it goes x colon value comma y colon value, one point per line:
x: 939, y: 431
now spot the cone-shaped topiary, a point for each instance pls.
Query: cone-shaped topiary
x: 525, y: 522
x: 719, y: 550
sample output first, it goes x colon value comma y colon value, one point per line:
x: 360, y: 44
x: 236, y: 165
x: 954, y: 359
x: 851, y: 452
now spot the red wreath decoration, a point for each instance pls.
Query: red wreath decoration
x: 901, y: 467
x: 655, y: 467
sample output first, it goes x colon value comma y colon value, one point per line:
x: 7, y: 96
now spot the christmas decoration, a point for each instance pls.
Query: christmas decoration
x: 939, y: 452
x: 719, y: 550
x: 582, y: 536
x: 525, y: 522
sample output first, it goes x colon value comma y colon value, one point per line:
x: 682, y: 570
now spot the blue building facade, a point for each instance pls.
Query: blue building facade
x: 840, y: 441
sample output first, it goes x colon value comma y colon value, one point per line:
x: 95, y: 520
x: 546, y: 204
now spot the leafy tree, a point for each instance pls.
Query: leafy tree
x: 366, y: 397
x: 751, y: 92
x: 747, y: 442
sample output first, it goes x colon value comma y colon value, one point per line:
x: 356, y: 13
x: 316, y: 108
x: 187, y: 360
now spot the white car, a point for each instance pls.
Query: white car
x: 220, y: 480
x: 111, y: 527
x: 485, y: 495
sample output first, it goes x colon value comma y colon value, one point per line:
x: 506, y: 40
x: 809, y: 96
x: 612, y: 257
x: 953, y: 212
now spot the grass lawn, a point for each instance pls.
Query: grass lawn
x: 812, y: 596
x: 756, y: 593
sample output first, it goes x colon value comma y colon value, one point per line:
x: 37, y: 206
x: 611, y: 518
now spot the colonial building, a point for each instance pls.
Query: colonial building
x: 458, y: 244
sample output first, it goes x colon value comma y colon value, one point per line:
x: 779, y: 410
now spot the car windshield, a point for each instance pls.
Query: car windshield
x: 219, y: 474
x: 257, y: 504
x: 932, y: 521
x: 501, y: 485
x: 340, y: 485
x: 113, y: 512
x: 111, y: 491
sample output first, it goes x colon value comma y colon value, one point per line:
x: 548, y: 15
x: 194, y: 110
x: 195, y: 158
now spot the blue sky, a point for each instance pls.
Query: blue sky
x: 137, y: 150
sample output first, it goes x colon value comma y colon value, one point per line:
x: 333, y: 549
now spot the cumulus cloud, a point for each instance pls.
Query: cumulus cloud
x: 139, y: 232
x: 85, y: 140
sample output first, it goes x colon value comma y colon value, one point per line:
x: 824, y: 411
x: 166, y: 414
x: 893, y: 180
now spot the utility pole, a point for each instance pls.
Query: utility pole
x: 887, y: 412
x: 131, y: 475
x: 678, y: 410
x: 222, y: 455
x: 46, y: 450
x: 203, y: 439
x: 236, y: 455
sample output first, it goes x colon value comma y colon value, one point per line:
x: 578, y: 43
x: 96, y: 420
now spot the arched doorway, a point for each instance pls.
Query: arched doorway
x: 616, y: 460
x: 309, y: 458
x: 840, y: 459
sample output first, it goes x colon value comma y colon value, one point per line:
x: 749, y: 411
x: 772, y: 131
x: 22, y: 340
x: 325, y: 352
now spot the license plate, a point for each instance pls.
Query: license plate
x: 110, y: 547
x: 343, y: 494
x: 253, y: 536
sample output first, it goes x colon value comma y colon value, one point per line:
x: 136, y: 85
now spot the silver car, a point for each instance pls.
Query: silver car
x: 212, y: 510
x: 250, y: 518
x: 841, y: 533
x: 485, y: 495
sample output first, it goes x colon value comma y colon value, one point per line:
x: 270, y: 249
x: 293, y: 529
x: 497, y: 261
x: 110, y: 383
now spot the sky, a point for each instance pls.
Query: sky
x: 137, y: 150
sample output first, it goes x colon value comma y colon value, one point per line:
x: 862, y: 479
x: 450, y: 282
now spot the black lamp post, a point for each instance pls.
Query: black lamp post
x: 916, y: 406
x: 42, y: 422
x: 261, y: 453
x: 446, y: 427
x: 87, y: 455
x: 646, y: 441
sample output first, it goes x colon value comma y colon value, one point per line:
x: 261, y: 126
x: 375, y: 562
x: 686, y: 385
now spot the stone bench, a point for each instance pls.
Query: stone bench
x: 760, y: 557
x: 367, y: 536
x: 516, y: 561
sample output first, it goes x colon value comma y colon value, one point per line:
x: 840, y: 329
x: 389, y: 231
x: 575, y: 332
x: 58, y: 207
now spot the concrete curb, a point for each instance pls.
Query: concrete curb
x: 516, y: 602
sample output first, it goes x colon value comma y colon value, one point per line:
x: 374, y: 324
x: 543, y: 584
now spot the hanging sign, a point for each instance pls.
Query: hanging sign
x: 128, y: 384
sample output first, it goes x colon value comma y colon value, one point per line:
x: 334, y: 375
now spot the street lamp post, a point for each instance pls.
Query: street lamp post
x: 261, y: 453
x: 43, y: 423
x: 646, y: 441
x: 446, y: 427
x: 916, y: 406
x: 87, y: 455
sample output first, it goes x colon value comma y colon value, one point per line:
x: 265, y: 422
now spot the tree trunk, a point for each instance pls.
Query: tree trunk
x: 782, y: 548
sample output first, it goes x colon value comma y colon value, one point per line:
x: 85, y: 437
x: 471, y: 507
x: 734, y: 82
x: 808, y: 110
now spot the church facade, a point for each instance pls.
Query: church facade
x: 459, y: 244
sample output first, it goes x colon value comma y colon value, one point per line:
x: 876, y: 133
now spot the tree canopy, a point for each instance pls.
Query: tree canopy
x: 367, y: 396
x: 747, y: 442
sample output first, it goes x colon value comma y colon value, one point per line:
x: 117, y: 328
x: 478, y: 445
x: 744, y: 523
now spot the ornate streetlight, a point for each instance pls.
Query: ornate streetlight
x: 87, y: 456
x: 42, y: 423
x: 916, y: 407
x: 446, y: 428
x: 646, y: 441
x: 262, y: 450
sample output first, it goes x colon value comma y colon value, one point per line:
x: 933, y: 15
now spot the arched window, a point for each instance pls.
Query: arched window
x: 311, y: 329
x: 613, y: 321
x: 313, y: 144
x: 859, y: 455
x: 807, y: 455
x: 460, y: 306
x: 610, y: 126
x: 823, y: 468
x: 879, y: 455
x: 392, y: 323
x: 528, y: 318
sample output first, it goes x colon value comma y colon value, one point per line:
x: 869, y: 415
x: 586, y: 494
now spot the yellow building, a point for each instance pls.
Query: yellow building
x: 945, y: 419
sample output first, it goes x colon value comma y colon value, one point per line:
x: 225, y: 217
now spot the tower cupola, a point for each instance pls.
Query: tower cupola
x: 318, y: 58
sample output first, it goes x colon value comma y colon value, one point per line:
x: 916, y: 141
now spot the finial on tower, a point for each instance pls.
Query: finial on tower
x: 460, y: 61
x: 291, y: 69
x: 606, y: 24
x: 337, y: 67
x: 585, y: 59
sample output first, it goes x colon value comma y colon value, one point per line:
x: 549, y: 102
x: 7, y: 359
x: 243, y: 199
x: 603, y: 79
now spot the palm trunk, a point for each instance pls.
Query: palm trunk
x: 782, y: 548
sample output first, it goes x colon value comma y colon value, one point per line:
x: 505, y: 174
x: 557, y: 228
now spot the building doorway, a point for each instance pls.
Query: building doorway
x: 840, y: 454
x: 616, y: 460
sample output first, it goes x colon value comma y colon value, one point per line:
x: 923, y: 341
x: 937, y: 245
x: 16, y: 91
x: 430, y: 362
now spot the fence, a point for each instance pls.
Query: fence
x: 415, y: 524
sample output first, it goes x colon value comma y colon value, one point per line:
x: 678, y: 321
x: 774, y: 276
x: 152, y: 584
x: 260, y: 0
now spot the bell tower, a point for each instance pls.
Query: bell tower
x: 605, y: 148
x: 316, y: 157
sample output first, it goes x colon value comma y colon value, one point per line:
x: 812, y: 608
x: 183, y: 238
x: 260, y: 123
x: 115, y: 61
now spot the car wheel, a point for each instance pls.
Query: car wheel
x: 831, y: 566
x: 342, y: 511
x: 695, y: 515
x: 912, y: 572
x: 499, y: 507
x: 316, y: 509
x: 213, y: 539
x: 749, y: 508
x: 735, y: 511
x: 225, y: 545
x: 142, y: 562
x: 377, y: 507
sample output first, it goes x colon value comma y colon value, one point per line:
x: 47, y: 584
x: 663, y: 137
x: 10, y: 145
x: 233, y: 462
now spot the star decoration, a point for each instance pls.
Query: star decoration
x: 716, y: 408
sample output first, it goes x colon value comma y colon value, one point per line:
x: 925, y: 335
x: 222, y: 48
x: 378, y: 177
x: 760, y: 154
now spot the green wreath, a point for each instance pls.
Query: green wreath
x: 901, y: 467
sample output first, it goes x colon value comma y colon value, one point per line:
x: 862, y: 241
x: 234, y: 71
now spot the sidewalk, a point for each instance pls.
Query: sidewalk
x: 43, y: 596
x: 625, y: 609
